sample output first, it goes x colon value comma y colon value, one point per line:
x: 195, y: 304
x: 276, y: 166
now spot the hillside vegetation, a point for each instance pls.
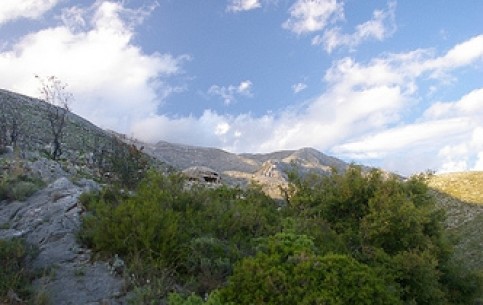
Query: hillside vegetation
x: 465, y: 186
x: 461, y: 196
x: 355, y: 236
x: 349, y: 238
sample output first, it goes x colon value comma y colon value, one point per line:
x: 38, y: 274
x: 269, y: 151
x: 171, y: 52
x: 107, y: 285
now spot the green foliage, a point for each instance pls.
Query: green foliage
x: 352, y: 238
x: 126, y: 164
x: 462, y: 286
x: 18, y: 187
x: 149, y: 281
x: 387, y: 223
x: 177, y: 299
x: 13, y: 274
x: 199, y: 232
x: 210, y: 262
x: 289, y: 272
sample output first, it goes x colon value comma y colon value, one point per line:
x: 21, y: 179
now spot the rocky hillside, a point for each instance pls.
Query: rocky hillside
x: 466, y: 186
x: 43, y: 206
x: 33, y: 127
x: 461, y: 195
x: 82, y: 140
x: 66, y: 273
x: 269, y: 170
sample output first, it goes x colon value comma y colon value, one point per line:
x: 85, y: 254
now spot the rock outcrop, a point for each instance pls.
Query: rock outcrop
x: 49, y: 220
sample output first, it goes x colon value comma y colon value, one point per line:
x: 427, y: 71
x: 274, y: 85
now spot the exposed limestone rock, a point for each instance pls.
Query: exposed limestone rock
x: 50, y: 219
x: 202, y: 174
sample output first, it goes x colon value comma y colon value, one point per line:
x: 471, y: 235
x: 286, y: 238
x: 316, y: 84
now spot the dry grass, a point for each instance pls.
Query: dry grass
x: 465, y: 186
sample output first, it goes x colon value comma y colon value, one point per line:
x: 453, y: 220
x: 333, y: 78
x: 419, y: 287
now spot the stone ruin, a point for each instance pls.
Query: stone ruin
x: 202, y: 174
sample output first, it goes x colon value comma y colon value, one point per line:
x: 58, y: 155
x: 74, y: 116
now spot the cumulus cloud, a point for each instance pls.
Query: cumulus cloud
x: 462, y: 54
x: 324, y: 17
x: 230, y: 93
x: 235, y: 133
x: 11, y: 10
x: 379, y: 27
x: 362, y: 115
x: 313, y: 15
x: 243, y: 5
x: 113, y: 80
x: 385, y: 142
x: 299, y: 87
x: 448, y: 130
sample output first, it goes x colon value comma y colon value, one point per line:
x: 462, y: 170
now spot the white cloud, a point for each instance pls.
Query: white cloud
x: 230, y: 93
x: 243, y: 5
x: 299, y: 87
x: 479, y: 163
x: 11, y: 10
x: 234, y: 133
x: 362, y: 115
x: 379, y: 27
x: 313, y: 15
x: 407, y: 136
x: 460, y: 55
x: 115, y: 82
x: 470, y: 104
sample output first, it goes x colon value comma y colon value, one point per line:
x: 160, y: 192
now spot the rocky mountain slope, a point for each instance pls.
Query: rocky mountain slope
x: 33, y: 126
x: 82, y: 140
x: 461, y: 196
x: 51, y: 216
x: 269, y: 170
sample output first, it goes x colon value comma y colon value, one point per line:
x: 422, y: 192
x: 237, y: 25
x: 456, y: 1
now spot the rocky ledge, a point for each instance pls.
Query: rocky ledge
x: 49, y: 220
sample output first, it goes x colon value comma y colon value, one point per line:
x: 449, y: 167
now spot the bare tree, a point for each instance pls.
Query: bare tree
x: 53, y: 92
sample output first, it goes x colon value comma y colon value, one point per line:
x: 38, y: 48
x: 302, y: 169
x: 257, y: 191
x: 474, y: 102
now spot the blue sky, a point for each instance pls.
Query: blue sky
x: 394, y: 84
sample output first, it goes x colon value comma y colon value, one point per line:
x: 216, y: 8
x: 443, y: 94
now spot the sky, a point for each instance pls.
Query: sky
x: 392, y: 84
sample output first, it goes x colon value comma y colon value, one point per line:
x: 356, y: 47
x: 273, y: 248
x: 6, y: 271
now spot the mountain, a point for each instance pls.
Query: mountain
x: 33, y: 127
x: 183, y: 156
x: 269, y: 170
x: 465, y: 186
x: 50, y: 216
x: 82, y: 140
x: 461, y: 196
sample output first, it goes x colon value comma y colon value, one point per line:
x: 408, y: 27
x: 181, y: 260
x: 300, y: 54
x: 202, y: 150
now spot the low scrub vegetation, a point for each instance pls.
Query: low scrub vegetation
x: 16, y: 185
x: 465, y: 186
x: 15, y: 277
x: 352, y: 238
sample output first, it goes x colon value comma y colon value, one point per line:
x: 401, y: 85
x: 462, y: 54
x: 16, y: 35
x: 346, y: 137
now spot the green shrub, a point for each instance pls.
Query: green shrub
x: 13, y: 274
x: 288, y: 271
x: 23, y: 189
x: 209, y: 263
x: 198, y: 232
x: 384, y: 222
x: 352, y: 238
x: 177, y: 299
x: 18, y: 187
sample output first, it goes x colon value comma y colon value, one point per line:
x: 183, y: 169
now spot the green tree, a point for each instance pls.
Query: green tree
x: 287, y: 271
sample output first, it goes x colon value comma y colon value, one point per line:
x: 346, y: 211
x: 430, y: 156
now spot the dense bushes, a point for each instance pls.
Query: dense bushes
x: 353, y: 238
x: 289, y: 271
x: 199, y: 232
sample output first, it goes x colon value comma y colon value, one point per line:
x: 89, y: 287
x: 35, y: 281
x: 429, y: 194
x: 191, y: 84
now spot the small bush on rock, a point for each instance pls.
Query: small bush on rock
x: 14, y: 277
x: 18, y: 188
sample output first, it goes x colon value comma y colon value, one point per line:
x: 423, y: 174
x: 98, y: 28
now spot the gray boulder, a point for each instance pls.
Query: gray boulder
x: 50, y: 219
